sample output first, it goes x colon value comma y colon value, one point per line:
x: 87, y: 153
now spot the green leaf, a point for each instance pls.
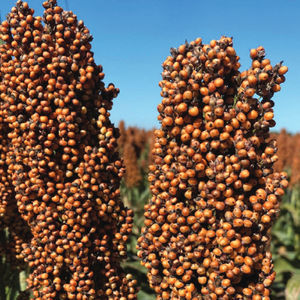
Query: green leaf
x: 144, y: 296
x: 282, y: 265
x: 293, y: 211
x: 145, y: 195
x: 286, y: 238
x: 136, y: 265
x: 290, y: 255
x: 292, y: 291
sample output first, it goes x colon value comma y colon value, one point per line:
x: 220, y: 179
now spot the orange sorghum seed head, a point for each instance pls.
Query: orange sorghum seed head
x: 61, y: 171
x: 215, y: 124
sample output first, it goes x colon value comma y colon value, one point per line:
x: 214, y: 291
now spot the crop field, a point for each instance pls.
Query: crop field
x: 203, y: 206
x: 135, y: 146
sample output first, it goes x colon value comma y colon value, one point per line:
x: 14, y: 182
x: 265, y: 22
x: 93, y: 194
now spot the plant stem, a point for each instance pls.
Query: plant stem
x: 22, y: 280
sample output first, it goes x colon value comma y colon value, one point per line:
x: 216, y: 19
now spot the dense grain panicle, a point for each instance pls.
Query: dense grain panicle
x: 207, y: 226
x: 12, y: 234
x: 288, y: 155
x: 134, y: 144
x: 60, y: 159
x: 295, y: 164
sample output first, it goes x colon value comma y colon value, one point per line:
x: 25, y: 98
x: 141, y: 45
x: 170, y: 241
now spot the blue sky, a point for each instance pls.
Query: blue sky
x: 133, y: 37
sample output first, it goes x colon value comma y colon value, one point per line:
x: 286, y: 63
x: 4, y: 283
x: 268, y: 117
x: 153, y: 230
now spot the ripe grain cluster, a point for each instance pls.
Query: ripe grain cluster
x: 288, y: 155
x: 60, y: 170
x: 214, y: 198
x: 134, y: 145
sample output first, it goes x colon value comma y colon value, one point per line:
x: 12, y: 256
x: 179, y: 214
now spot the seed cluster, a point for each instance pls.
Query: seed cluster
x: 207, y: 226
x: 133, y: 145
x: 59, y: 159
x: 285, y: 149
x: 288, y: 155
x: 295, y: 172
x: 12, y: 234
